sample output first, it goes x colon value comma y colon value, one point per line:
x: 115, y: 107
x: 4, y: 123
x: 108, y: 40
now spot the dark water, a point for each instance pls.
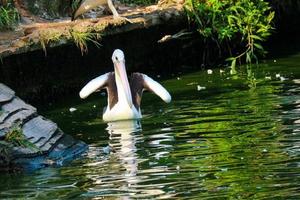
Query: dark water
x: 231, y: 140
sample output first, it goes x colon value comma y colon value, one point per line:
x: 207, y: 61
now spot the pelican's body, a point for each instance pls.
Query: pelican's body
x: 87, y: 5
x: 124, y: 97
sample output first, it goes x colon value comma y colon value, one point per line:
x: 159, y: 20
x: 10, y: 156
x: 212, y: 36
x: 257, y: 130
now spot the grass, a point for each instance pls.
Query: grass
x: 9, y: 16
x: 75, y: 5
x: 81, y: 39
x: 48, y: 36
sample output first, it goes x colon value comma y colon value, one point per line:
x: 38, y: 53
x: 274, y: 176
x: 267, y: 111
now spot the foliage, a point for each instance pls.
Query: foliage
x: 9, y: 16
x: 226, y: 22
x: 81, y: 38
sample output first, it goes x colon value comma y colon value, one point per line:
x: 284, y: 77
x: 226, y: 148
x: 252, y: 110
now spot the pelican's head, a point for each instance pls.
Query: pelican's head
x: 118, y: 56
x: 118, y: 59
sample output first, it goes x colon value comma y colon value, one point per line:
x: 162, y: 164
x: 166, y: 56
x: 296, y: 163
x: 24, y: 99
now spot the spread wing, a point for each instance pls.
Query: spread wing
x: 94, y: 85
x: 156, y: 88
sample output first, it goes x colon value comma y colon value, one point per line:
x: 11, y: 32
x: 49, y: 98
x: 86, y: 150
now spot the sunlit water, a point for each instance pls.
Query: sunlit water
x: 228, y: 140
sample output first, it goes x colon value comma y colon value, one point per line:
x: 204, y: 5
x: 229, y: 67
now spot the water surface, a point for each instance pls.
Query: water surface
x: 220, y: 138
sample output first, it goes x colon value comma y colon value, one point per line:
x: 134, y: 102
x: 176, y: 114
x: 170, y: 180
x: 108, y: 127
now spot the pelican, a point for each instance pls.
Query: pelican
x: 86, y: 5
x: 124, y: 97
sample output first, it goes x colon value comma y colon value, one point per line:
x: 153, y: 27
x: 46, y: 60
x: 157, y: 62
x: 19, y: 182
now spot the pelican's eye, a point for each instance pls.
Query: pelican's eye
x: 117, y: 58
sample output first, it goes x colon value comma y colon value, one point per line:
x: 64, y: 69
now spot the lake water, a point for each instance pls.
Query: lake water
x: 220, y: 138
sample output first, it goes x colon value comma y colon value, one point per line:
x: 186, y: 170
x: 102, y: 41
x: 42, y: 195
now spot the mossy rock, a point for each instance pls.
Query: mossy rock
x: 27, y: 140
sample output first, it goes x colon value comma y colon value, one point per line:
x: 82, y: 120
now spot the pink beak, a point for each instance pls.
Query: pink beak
x: 121, y: 71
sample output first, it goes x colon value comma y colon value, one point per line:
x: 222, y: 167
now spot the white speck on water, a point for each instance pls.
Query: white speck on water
x: 282, y: 78
x: 158, y: 76
x: 209, y: 71
x: 277, y: 75
x: 274, y: 61
x: 265, y: 150
x: 72, y: 110
x: 242, y: 158
x: 94, y: 106
x: 224, y: 169
x: 178, y: 78
x: 200, y: 88
x: 177, y: 167
x: 268, y: 77
x: 221, y: 71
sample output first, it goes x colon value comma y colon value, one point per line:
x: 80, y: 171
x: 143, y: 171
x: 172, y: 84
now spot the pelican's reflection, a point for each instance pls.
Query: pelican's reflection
x: 122, y: 139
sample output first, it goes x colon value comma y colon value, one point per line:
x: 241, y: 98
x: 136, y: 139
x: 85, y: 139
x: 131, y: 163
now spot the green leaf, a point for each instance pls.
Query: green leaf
x: 248, y: 57
x: 256, y: 37
x: 258, y: 46
x: 233, y: 64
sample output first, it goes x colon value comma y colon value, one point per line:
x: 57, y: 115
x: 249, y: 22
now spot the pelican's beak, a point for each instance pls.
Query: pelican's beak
x: 121, y: 72
x: 87, y: 5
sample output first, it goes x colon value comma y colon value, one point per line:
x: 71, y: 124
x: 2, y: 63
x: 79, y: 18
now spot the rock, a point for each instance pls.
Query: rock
x: 41, y: 143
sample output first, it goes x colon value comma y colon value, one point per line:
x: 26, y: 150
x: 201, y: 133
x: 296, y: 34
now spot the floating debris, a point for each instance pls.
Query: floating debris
x: 224, y: 169
x: 274, y: 61
x: 283, y: 78
x: 222, y: 71
x: 192, y: 83
x: 268, y: 77
x: 94, y: 106
x: 200, y: 88
x: 209, y: 71
x: 178, y: 78
x: 72, y: 110
x: 297, y: 81
x: 265, y: 150
x: 277, y: 75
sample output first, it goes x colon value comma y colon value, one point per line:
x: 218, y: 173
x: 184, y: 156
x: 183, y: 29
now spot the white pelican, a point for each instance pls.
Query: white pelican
x: 86, y: 5
x: 124, y: 97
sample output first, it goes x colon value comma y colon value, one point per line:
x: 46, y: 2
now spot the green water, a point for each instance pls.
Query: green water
x: 227, y: 141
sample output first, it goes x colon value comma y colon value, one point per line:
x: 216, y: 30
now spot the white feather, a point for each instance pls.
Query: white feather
x: 158, y: 89
x: 93, y: 86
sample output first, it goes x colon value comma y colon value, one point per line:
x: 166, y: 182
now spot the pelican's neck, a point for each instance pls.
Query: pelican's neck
x: 121, y: 90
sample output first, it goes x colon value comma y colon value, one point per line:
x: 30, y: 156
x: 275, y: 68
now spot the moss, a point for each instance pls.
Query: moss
x: 139, y: 2
x: 48, y: 36
x: 16, y: 138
